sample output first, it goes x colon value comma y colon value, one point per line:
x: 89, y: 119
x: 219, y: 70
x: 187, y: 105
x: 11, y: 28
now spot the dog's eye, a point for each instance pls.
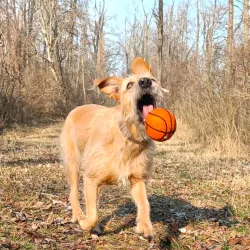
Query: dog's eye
x: 130, y: 84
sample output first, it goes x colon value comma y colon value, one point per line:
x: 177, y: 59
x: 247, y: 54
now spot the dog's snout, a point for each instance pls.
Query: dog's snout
x: 145, y: 83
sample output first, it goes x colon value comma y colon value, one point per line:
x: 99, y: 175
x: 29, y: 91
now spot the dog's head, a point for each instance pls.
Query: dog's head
x: 136, y: 95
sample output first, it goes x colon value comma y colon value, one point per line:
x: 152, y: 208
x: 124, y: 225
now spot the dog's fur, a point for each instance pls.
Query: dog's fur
x: 110, y: 145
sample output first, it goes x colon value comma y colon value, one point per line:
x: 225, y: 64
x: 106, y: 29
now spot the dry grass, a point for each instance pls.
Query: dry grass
x: 199, y: 200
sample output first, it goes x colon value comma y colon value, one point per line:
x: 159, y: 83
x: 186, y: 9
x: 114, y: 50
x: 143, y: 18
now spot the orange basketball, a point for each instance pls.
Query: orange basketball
x: 160, y: 124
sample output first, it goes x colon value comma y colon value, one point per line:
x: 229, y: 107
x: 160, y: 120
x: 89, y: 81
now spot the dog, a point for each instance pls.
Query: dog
x: 110, y: 145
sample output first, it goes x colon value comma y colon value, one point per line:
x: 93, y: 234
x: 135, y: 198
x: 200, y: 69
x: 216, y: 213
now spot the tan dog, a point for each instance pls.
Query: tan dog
x: 110, y: 145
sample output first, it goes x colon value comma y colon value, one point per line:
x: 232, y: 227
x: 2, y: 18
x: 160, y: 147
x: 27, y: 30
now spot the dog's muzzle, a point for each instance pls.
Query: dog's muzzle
x: 145, y: 83
x: 146, y: 102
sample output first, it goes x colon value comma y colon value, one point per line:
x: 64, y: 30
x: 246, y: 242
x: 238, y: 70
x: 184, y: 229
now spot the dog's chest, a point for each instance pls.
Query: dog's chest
x: 134, y: 161
x: 117, y: 160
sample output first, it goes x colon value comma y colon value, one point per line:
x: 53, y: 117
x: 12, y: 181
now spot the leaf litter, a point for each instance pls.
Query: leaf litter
x: 198, y: 200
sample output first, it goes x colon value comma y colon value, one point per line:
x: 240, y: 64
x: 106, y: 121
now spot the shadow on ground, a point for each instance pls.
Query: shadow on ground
x: 173, y: 214
x: 29, y: 162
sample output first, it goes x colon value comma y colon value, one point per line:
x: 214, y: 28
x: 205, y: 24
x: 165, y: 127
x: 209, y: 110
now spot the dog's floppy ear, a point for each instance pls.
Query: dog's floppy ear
x: 110, y: 86
x: 140, y: 67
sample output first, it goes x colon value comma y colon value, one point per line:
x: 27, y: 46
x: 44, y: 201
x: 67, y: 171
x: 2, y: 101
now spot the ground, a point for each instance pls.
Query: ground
x: 199, y: 199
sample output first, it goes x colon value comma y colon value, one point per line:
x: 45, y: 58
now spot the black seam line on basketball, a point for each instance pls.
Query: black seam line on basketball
x: 163, y: 137
x: 170, y: 120
x: 167, y: 133
x: 162, y: 119
x: 155, y: 128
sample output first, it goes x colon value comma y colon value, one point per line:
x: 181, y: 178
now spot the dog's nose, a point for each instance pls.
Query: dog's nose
x: 145, y: 83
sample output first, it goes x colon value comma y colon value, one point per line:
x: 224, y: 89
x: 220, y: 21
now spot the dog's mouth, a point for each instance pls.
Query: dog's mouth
x: 145, y: 105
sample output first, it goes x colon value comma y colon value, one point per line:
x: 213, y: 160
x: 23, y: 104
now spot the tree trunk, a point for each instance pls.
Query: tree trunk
x: 209, y: 45
x: 83, y: 56
x: 160, y: 40
x: 72, y: 21
x: 100, y: 42
x: 49, y: 28
x: 246, y: 39
x: 229, y: 44
x: 197, y: 34
x: 169, y: 37
x: 146, y: 25
x: 100, y: 56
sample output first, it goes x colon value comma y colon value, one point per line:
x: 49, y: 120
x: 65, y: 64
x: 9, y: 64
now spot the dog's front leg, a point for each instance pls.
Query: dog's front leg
x: 91, y: 192
x: 139, y: 194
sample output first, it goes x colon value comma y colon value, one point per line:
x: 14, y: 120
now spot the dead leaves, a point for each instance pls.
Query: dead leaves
x: 38, y: 205
x: 187, y: 196
x: 20, y: 216
x: 243, y: 241
x: 9, y: 245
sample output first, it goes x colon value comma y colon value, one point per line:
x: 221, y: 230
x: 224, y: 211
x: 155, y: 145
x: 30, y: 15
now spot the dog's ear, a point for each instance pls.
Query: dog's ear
x: 140, y: 67
x: 110, y: 86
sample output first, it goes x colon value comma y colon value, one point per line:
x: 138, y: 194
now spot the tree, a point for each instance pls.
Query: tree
x: 209, y: 27
x: 99, y: 39
x: 159, y: 20
x: 229, y: 57
x: 246, y: 39
x: 146, y: 28
x: 51, y: 34
x: 197, y: 33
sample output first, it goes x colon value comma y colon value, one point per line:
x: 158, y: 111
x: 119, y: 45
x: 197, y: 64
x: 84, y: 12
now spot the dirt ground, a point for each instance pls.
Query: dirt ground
x: 199, y: 199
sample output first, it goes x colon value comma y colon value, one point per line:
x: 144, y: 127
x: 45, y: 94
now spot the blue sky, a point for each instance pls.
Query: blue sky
x: 117, y: 10
x: 122, y: 8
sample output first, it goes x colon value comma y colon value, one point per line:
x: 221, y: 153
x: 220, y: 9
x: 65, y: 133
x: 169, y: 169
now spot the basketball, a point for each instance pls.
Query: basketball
x: 160, y: 124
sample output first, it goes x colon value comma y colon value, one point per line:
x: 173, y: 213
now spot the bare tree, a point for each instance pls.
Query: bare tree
x: 99, y: 40
x: 229, y: 43
x: 146, y: 28
x: 126, y: 47
x: 82, y: 63
x: 169, y: 37
x: 246, y: 39
x: 159, y: 19
x: 132, y: 42
x: 72, y: 30
x: 209, y: 27
x: 51, y: 35
x: 197, y: 33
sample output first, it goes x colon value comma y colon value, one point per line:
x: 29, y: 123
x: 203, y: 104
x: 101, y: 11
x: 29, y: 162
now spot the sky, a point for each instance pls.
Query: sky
x: 117, y: 10
x: 122, y: 8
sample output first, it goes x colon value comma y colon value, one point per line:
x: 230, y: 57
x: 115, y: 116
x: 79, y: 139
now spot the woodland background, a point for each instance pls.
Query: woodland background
x: 51, y: 51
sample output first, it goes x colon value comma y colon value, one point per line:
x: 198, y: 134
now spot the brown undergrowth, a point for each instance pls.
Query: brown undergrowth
x: 199, y: 200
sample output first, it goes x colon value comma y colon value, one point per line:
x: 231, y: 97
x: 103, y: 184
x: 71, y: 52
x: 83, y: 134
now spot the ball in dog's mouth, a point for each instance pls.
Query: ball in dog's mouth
x: 145, y: 105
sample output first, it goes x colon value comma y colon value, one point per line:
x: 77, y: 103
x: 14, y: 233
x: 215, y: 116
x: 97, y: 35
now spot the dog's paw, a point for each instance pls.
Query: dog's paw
x: 77, y: 215
x: 146, y: 230
x: 87, y: 225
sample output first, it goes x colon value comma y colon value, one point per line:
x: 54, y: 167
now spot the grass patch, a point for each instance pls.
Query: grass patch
x: 198, y: 200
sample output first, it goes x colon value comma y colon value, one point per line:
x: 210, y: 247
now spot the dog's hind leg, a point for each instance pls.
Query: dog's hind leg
x: 77, y: 213
x: 91, y: 193
x: 71, y: 161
